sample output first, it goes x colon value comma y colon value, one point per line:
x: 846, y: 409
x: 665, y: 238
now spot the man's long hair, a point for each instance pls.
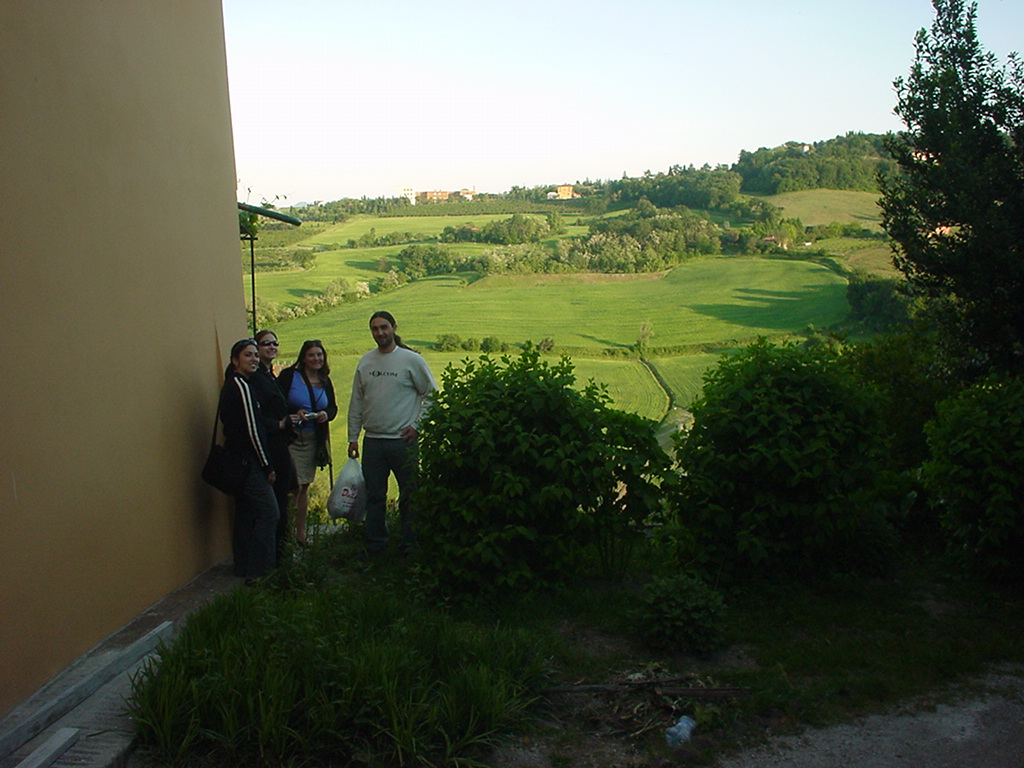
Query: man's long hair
x: 391, y: 319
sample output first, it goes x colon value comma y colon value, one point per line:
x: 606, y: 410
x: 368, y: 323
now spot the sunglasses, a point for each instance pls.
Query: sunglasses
x: 312, y: 343
x: 268, y: 344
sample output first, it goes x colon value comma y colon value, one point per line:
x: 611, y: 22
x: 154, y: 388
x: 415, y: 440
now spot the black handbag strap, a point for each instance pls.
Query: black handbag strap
x: 213, y: 437
x: 317, y: 428
x: 312, y: 396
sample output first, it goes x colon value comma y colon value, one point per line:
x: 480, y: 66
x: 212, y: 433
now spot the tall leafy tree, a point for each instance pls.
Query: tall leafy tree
x: 955, y: 207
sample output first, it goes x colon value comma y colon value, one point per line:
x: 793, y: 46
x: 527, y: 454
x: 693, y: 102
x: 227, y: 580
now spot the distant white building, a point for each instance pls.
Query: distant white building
x: 409, y: 194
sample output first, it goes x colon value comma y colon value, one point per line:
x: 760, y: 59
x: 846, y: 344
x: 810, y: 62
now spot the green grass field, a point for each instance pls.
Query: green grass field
x: 289, y: 288
x: 823, y: 206
x: 419, y: 226
x: 713, y: 301
x: 683, y: 374
x: 871, y: 256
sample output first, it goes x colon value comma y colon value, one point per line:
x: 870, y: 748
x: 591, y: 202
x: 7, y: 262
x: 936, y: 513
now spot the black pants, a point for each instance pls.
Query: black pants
x: 254, y: 538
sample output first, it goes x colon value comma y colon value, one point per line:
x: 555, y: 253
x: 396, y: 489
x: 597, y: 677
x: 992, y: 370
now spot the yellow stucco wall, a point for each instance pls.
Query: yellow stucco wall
x: 119, y: 298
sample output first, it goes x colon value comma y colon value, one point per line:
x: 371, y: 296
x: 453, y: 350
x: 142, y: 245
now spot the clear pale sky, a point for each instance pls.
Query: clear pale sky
x: 333, y: 98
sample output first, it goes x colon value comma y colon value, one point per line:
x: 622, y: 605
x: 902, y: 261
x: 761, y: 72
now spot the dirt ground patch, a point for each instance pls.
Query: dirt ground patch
x: 979, y: 724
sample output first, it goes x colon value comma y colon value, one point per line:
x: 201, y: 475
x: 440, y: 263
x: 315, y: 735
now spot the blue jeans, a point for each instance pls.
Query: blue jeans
x: 382, y: 456
x: 254, y: 538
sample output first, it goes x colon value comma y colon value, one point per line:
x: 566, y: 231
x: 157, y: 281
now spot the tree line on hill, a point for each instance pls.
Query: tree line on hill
x: 645, y: 238
x: 851, y: 162
x: 848, y: 162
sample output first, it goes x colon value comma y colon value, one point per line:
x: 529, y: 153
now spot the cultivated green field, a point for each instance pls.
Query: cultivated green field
x: 425, y: 227
x: 871, y: 256
x: 630, y: 384
x: 289, y: 288
x: 715, y: 301
x: 824, y: 206
x: 683, y: 375
x: 712, y: 301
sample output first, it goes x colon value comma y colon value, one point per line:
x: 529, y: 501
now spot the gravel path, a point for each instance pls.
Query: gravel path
x: 983, y: 730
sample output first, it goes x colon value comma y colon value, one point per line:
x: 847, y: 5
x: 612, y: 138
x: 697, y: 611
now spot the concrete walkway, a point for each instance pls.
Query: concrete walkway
x: 78, y: 719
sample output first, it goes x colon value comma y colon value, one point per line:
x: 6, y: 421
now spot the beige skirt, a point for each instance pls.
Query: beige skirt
x: 303, y: 452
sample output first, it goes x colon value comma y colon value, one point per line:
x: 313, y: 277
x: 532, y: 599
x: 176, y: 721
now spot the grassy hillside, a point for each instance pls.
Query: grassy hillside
x: 823, y: 206
x: 288, y: 288
x: 693, y: 310
x: 711, y: 301
x: 424, y: 227
x: 714, y: 301
x: 683, y: 374
x: 871, y: 256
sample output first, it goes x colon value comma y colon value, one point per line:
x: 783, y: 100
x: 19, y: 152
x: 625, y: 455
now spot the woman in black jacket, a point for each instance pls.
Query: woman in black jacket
x: 307, y: 387
x: 256, y: 512
x: 280, y: 427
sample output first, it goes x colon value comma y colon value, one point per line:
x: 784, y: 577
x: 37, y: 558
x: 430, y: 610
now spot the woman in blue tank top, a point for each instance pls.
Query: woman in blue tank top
x: 307, y: 387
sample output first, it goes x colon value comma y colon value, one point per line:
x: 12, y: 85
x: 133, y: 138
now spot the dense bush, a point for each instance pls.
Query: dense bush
x: 494, y: 344
x: 975, y: 474
x: 518, y: 469
x: 681, y: 613
x: 448, y: 342
x: 906, y: 382
x: 876, y: 303
x: 778, y: 465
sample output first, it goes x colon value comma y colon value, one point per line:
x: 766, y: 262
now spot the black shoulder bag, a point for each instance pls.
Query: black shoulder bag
x: 223, y: 469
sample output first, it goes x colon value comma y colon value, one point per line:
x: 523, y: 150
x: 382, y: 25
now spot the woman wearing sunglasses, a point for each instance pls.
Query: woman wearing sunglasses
x: 280, y: 426
x: 310, y: 394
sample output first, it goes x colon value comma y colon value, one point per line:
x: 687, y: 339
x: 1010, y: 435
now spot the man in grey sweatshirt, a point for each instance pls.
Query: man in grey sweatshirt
x: 390, y: 391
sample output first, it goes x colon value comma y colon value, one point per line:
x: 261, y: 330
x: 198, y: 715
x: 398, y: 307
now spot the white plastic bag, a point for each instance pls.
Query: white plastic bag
x: 348, y: 496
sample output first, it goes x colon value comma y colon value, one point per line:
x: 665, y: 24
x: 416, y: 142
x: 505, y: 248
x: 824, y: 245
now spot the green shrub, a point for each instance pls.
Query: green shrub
x: 494, y: 344
x: 518, y: 470
x: 901, y: 370
x: 975, y: 474
x: 681, y: 613
x: 777, y: 465
x: 447, y: 342
x: 877, y: 303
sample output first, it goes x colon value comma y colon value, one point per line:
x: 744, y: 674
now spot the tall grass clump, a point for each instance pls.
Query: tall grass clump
x: 779, y: 465
x: 331, y: 677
